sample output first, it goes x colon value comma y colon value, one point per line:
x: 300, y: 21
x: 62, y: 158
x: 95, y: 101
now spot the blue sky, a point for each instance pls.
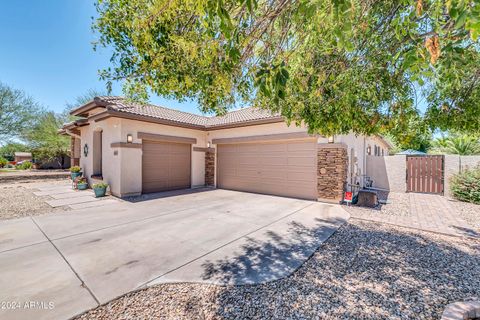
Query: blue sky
x: 46, y: 50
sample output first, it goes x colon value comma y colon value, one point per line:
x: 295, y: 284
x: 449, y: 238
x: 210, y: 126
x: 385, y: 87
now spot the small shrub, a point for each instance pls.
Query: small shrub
x: 24, y: 165
x: 3, y: 162
x: 100, y: 185
x: 75, y: 169
x: 9, y: 166
x: 466, y: 185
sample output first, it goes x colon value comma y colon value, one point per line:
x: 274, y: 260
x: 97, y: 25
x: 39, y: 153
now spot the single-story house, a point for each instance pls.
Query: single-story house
x: 142, y: 148
x: 22, y: 156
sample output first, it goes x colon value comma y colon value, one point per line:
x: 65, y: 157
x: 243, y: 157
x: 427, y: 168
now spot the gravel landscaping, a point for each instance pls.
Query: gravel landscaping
x: 398, y: 204
x: 469, y: 212
x: 17, y: 201
x: 364, y: 270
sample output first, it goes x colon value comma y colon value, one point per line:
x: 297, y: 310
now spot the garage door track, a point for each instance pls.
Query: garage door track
x: 59, y: 265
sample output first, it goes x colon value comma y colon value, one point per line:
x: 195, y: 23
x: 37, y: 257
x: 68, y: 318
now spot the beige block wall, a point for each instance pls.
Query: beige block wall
x: 388, y: 172
x: 454, y: 164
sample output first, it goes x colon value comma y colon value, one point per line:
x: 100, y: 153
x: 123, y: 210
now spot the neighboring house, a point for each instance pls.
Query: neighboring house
x: 22, y: 156
x: 141, y: 148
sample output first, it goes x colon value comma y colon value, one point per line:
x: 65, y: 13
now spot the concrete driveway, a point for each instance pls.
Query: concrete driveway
x: 57, y: 266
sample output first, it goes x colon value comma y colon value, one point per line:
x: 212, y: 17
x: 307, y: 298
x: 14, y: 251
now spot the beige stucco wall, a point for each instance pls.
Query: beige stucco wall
x: 122, y: 167
x: 356, y: 157
x: 133, y: 157
x: 110, y: 162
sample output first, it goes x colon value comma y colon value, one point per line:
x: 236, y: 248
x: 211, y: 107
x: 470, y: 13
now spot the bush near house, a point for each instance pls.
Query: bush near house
x: 465, y: 186
x: 3, y: 162
x: 25, y: 165
x: 75, y: 169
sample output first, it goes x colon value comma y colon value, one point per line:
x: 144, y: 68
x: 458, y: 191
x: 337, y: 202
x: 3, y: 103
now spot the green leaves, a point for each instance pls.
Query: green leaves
x: 271, y: 81
x: 18, y: 112
x: 336, y: 65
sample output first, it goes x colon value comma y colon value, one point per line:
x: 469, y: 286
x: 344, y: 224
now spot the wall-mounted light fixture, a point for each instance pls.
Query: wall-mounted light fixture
x: 369, y: 150
x: 129, y: 138
x: 208, y: 144
x: 85, y: 150
x: 331, y: 139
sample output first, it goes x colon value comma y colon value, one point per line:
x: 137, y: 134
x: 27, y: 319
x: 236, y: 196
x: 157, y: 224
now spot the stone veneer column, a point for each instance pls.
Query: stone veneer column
x: 210, y: 167
x: 332, y: 171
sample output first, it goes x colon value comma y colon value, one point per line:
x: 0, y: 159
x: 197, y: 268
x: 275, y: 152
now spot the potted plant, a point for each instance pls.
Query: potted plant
x: 100, y: 189
x: 82, y: 183
x: 75, y: 171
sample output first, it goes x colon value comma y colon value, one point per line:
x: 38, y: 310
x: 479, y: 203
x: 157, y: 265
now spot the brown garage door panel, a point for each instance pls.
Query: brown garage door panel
x: 165, y: 166
x: 285, y: 168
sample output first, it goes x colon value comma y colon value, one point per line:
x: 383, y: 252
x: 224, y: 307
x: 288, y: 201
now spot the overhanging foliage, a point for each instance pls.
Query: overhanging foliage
x: 336, y: 65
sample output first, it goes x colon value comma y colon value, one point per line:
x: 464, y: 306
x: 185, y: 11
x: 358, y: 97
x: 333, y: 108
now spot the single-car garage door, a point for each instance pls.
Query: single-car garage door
x: 165, y: 166
x: 287, y: 168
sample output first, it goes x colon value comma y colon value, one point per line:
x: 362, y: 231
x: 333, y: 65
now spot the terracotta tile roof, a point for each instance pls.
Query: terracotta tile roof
x: 120, y: 104
x: 242, y: 115
x: 123, y: 105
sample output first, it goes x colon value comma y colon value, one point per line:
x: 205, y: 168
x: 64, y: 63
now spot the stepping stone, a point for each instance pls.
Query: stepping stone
x: 66, y: 202
x: 94, y: 204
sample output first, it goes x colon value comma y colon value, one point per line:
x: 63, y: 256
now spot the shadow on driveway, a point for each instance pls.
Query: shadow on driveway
x: 271, y: 256
x: 165, y: 194
x: 364, y: 271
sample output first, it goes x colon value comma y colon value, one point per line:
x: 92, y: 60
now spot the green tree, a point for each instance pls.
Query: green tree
x: 87, y: 96
x: 8, y: 150
x: 17, y: 112
x: 456, y: 143
x: 336, y: 65
x: 81, y: 100
x: 44, y: 140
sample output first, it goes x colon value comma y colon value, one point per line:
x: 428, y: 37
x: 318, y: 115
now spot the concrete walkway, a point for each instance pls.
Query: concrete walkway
x: 63, y: 195
x: 428, y: 212
x: 57, y: 266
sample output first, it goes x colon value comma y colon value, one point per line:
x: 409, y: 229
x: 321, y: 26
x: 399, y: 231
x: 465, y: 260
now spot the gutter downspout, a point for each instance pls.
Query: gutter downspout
x: 364, y: 159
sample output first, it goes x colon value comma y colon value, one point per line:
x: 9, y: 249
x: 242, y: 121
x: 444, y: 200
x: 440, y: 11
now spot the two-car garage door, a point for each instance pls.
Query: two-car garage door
x: 283, y: 168
x: 287, y: 168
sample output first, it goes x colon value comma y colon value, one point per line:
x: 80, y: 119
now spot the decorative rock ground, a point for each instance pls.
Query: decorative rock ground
x: 364, y: 271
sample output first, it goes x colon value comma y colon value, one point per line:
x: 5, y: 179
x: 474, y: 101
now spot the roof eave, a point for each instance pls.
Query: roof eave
x: 132, y: 116
x: 82, y: 111
x: 390, y: 146
x: 246, y: 123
